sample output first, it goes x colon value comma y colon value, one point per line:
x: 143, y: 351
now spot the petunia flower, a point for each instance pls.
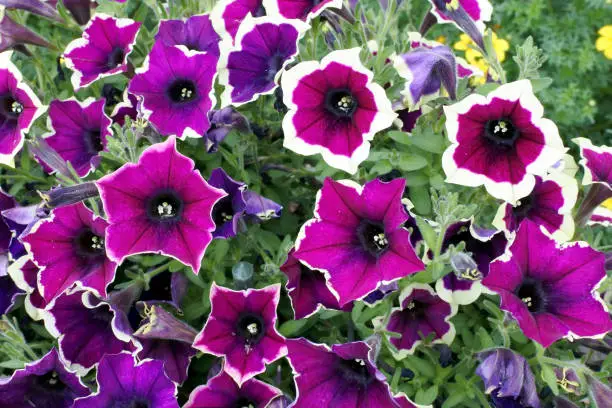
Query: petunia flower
x: 195, y: 33
x: 124, y: 382
x: 259, y: 208
x: 320, y: 372
x: 463, y: 286
x: 42, y: 383
x: 307, y: 288
x: 357, y: 238
x: 241, y: 329
x: 228, y: 211
x: 421, y: 314
x: 9, y: 291
x: 159, y: 205
x: 304, y: 10
x: 102, y: 51
x: 79, y: 132
x: 127, y: 107
x: 227, y: 15
x: 479, y: 11
x: 501, y: 141
x: 176, y: 88
x: 14, y: 35
x: 549, y: 288
x: 20, y: 221
x: 24, y: 273
x: 19, y: 108
x: 87, y: 328
x: 604, y: 42
x: 508, y: 379
x: 334, y: 109
x: 69, y: 247
x: 222, y: 122
x: 222, y: 391
x: 263, y: 48
x: 550, y: 204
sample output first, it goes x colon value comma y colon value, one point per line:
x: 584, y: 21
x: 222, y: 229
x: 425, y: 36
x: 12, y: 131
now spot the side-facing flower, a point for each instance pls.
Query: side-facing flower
x: 321, y: 372
x: 334, y: 109
x: 550, y: 205
x: 549, y: 288
x: 79, y: 132
x: 357, y: 237
x: 19, y: 108
x: 176, y: 87
x: 124, y: 382
x: 263, y: 47
x: 102, y: 51
x: 501, y: 141
x: 159, y: 205
x: 227, y: 15
x: 421, y: 314
x: 222, y: 391
x: 127, y: 107
x: 241, y: 329
x: 24, y: 274
x: 44, y: 8
x: 508, y: 379
x: 259, y: 208
x: 14, y: 35
x: 228, y: 211
x: 43, y: 383
x: 479, y: 11
x: 195, y: 33
x: 304, y: 10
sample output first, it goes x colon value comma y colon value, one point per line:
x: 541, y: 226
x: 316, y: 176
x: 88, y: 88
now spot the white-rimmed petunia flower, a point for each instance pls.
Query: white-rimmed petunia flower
x: 304, y: 10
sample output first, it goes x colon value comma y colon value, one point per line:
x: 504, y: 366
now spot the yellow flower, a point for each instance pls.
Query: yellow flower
x: 604, y: 42
x: 476, y: 59
x: 607, y: 204
x: 441, y: 39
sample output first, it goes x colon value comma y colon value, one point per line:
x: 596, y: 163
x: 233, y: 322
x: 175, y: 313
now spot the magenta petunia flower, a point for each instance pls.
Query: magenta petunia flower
x: 222, y: 391
x: 42, y: 383
x: 478, y: 10
x: 421, y: 314
x: 321, y: 372
x: 159, y: 205
x: 263, y: 47
x: 124, y: 382
x: 69, y: 247
x: 227, y: 15
x: 357, y: 237
x: 24, y: 274
x: 102, y: 51
x: 307, y: 288
x: 334, y: 109
x: 241, y: 329
x: 19, y: 108
x: 501, y: 141
x: 550, y: 205
x: 300, y: 9
x: 127, y: 107
x: 549, y: 288
x: 176, y: 87
x: 596, y: 162
x: 79, y: 132
x: 195, y: 33
x: 87, y: 328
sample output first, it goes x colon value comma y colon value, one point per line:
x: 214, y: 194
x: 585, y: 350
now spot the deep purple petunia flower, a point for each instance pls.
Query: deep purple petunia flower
x: 176, y: 87
x: 508, y: 379
x: 228, y: 211
x: 259, y: 208
x: 19, y: 108
x: 196, y: 33
x: 124, y: 382
x: 463, y: 286
x: 307, y: 288
x: 222, y: 122
x: 87, y: 328
x: 334, y: 109
x: 42, y: 383
x: 20, y: 221
x: 340, y: 376
x: 69, y: 247
x: 159, y: 205
x: 102, y: 51
x: 222, y: 392
x: 300, y: 9
x: 501, y: 141
x: 14, y: 36
x: 79, y: 132
x: 24, y: 273
x: 241, y: 329
x: 550, y: 205
x: 9, y: 291
x: 127, y: 107
x: 596, y: 162
x: 263, y: 47
x: 357, y: 237
x: 550, y: 289
x: 479, y: 10
x: 421, y: 313
x: 227, y: 15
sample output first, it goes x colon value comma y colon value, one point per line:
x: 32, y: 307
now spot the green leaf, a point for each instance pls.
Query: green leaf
x: 426, y: 397
x: 411, y: 162
x: 530, y: 59
x: 292, y: 327
x: 400, y: 137
x: 539, y: 84
x: 549, y: 377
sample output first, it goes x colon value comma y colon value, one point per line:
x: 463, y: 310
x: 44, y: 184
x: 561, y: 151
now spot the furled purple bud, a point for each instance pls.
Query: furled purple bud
x: 41, y: 7
x: 14, y: 35
x: 62, y: 196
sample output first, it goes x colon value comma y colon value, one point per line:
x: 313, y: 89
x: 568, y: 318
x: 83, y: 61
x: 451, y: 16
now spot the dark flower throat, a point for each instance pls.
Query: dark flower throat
x: 341, y: 103
x: 165, y: 206
x: 372, y: 237
x: 501, y: 132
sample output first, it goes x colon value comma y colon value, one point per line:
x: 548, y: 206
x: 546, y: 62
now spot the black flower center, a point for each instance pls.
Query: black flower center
x: 182, y: 91
x: 244, y: 402
x: 355, y: 371
x: 251, y: 328
x: 501, y: 132
x: 115, y: 57
x: 522, y: 210
x: 88, y: 244
x: 165, y: 206
x: 135, y: 402
x: 340, y: 103
x: 93, y: 141
x: 532, y: 294
x: 223, y: 211
x: 261, y: 11
x: 372, y: 237
x: 50, y: 382
x: 11, y: 107
x: 415, y: 310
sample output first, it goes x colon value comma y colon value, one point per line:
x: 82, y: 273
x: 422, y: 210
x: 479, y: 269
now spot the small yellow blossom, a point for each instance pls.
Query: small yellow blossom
x: 604, y: 42
x: 441, y: 39
x: 476, y: 59
x: 607, y: 204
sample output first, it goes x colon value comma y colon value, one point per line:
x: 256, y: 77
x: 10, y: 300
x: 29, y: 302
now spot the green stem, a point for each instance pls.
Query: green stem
x: 24, y: 174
